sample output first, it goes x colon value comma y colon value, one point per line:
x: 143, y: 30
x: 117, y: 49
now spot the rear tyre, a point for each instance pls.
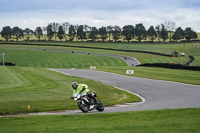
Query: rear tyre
x: 100, y: 106
x: 83, y: 106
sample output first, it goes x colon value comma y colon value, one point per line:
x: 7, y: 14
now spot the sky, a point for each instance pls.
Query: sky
x: 98, y: 13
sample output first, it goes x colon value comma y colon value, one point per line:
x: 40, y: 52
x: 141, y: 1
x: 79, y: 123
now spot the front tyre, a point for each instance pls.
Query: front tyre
x: 83, y: 106
x: 100, y: 106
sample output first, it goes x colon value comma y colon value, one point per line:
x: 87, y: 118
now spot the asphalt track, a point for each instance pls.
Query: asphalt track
x: 156, y: 94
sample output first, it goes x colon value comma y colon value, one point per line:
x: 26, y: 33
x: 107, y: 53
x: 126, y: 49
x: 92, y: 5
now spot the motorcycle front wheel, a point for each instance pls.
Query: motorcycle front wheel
x: 100, y: 106
x: 83, y: 106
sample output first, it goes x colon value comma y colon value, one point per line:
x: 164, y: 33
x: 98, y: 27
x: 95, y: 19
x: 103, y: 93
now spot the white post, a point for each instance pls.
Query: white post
x: 3, y: 58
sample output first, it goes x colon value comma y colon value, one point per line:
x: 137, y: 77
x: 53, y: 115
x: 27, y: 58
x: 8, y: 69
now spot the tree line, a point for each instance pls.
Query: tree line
x: 70, y: 32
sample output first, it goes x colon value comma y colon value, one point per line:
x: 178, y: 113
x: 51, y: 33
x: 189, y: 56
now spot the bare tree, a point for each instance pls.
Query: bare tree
x: 171, y: 27
x: 158, y: 31
x: 66, y: 26
x: 55, y: 29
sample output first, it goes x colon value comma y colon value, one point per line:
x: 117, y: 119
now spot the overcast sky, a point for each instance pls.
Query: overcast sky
x: 34, y: 13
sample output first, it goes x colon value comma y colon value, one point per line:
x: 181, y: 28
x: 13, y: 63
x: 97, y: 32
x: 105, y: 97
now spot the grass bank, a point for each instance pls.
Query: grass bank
x: 142, y: 57
x: 48, y: 59
x: 177, y: 75
x: 46, y: 90
x: 165, y: 48
x: 165, y: 121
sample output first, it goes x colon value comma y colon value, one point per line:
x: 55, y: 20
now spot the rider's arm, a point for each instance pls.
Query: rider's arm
x: 75, y: 93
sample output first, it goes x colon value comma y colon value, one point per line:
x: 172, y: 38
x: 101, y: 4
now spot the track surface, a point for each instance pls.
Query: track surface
x: 158, y: 94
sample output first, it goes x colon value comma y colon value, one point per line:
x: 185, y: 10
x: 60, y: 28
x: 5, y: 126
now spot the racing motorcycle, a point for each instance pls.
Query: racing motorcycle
x: 88, y: 102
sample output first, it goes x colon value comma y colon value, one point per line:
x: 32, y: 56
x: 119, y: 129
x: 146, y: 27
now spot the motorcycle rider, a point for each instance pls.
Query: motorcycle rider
x: 78, y: 87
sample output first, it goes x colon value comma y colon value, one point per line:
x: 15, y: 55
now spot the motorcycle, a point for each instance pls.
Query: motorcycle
x: 88, y: 102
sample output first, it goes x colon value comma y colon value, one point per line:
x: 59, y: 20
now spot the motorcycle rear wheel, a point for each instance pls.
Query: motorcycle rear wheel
x: 83, y: 106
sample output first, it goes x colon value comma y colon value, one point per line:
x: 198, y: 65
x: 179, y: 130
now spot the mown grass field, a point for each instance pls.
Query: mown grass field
x: 165, y: 121
x: 192, y: 48
x: 142, y: 57
x: 46, y: 90
x: 32, y: 58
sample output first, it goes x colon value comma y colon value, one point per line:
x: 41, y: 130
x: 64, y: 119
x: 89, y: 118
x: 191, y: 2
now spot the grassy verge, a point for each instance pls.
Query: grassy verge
x: 142, y: 57
x: 33, y: 58
x: 187, y: 48
x: 46, y: 90
x: 177, y: 75
x: 165, y: 121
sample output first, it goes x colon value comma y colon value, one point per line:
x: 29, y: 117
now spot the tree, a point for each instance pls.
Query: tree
x: 116, y: 32
x: 94, y: 34
x: 60, y: 33
x: 72, y: 33
x: 87, y: 29
x: 179, y: 34
x: 38, y: 32
x: 44, y: 29
x: 80, y: 33
x: 128, y: 32
x: 151, y: 33
x: 158, y: 32
x: 66, y: 26
x: 140, y: 32
x: 163, y: 33
x: 55, y: 29
x: 110, y: 30
x: 50, y: 32
x: 170, y: 27
x: 103, y: 33
x: 27, y: 32
x: 17, y: 32
x: 190, y: 34
x: 6, y: 32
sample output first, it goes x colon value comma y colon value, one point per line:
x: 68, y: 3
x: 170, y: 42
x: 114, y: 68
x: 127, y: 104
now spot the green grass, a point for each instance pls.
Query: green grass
x: 33, y: 58
x: 142, y: 57
x: 165, y: 121
x: 187, y: 48
x: 177, y: 75
x: 46, y: 90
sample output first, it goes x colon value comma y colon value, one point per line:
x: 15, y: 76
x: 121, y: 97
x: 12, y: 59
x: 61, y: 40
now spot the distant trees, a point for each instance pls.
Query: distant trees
x: 60, y: 33
x: 140, y: 32
x: 128, y: 32
x: 164, y: 32
x: 6, y: 32
x: 17, y: 32
x: 72, y: 33
x: 94, y: 34
x: 109, y: 30
x: 50, y: 32
x: 55, y: 29
x: 151, y: 33
x: 170, y: 27
x: 103, y: 33
x: 179, y: 34
x: 190, y: 34
x: 158, y: 32
x: 80, y: 33
x: 38, y: 32
x: 27, y: 32
x: 116, y: 32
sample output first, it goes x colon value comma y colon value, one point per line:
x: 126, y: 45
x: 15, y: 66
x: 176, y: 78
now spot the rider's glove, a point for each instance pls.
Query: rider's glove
x: 75, y: 99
